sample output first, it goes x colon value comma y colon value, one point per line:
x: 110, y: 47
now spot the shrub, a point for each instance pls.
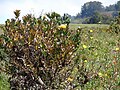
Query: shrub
x: 115, y: 25
x: 40, y: 51
x: 4, y: 59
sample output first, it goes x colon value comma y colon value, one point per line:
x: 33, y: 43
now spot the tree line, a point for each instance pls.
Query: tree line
x: 94, y: 12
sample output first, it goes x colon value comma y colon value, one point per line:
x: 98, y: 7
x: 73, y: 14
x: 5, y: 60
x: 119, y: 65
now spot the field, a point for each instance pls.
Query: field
x: 99, y: 53
x: 95, y: 26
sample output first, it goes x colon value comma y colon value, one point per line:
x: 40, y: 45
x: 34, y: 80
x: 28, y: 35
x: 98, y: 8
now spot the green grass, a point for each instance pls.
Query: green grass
x: 95, y: 26
x: 4, y: 85
x: 100, y: 57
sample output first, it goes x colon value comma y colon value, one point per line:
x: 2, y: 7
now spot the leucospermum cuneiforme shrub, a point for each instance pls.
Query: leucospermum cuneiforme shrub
x: 115, y: 25
x: 39, y: 48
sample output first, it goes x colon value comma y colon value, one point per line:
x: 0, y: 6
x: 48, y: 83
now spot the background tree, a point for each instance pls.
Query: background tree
x: 78, y: 15
x: 96, y: 18
x: 89, y: 8
x: 110, y: 8
x: 117, y: 6
x: 115, y: 13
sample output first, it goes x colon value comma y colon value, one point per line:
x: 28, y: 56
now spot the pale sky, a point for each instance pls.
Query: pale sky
x: 37, y: 7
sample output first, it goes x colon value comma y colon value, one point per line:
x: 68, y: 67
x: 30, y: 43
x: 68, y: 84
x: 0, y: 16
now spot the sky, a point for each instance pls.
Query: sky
x: 38, y: 7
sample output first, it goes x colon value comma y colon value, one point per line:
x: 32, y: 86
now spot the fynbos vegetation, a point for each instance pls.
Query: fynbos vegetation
x: 115, y: 26
x: 39, y: 49
x: 45, y: 54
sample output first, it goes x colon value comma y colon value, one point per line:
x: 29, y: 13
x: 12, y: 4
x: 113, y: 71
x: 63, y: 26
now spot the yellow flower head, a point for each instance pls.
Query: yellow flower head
x: 85, y: 61
x: 91, y: 30
x: 69, y: 79
x: 106, y: 75
x: 84, y: 46
x: 91, y: 37
x: 16, y: 39
x: 85, y: 35
x: 96, y: 54
x: 117, y: 49
x: 100, y: 74
x: 76, y: 69
x: 62, y: 26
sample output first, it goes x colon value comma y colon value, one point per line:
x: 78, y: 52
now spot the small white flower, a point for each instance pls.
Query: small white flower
x: 58, y: 43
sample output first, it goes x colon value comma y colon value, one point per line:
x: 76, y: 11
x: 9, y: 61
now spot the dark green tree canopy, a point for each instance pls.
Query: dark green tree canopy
x: 114, y: 7
x: 96, y: 18
x: 89, y: 8
x: 110, y: 8
x: 117, y: 6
